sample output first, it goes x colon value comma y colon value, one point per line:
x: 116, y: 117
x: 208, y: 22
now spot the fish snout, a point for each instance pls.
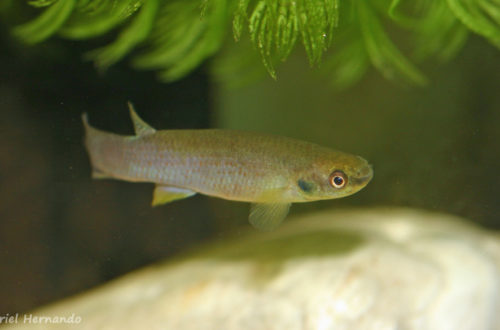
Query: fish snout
x: 363, y: 176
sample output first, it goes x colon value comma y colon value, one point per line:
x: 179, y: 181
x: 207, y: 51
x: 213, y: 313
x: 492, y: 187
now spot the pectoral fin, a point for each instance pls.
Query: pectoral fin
x: 167, y: 194
x: 268, y: 216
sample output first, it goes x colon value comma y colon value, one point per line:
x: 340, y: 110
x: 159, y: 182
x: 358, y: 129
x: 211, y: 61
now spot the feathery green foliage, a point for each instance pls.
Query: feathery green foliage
x: 344, y: 37
x: 275, y: 26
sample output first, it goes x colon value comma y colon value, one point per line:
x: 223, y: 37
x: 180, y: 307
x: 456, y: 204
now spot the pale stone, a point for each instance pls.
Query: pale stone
x: 358, y: 269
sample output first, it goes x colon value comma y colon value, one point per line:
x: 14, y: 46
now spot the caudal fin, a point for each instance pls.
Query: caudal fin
x: 89, y: 131
x: 85, y: 120
x: 91, y: 142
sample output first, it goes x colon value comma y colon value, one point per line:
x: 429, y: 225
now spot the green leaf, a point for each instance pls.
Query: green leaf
x: 47, y: 23
x: 240, y: 17
x: 286, y: 31
x: 178, y: 35
x: 132, y: 35
x: 436, y: 29
x: 382, y: 52
x: 481, y: 16
x: 41, y: 3
x: 348, y: 64
x: 313, y: 25
x: 185, y: 38
x: 440, y: 33
x: 275, y: 26
x: 261, y: 35
x: 94, y: 20
x: 395, y: 13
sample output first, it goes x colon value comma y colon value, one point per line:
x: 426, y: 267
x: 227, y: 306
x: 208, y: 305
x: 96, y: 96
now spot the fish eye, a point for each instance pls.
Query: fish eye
x: 338, y: 179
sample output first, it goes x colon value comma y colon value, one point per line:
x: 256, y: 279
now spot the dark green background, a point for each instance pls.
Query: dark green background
x: 61, y: 232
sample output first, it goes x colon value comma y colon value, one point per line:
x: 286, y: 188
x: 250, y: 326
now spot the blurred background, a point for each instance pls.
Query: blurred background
x: 434, y: 147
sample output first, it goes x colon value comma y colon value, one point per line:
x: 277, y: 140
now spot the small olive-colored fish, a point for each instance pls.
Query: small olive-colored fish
x: 271, y: 172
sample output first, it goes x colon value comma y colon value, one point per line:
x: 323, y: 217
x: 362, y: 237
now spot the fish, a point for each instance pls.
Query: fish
x: 270, y: 172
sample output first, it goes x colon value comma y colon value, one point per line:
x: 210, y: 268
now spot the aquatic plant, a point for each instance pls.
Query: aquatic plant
x: 176, y: 36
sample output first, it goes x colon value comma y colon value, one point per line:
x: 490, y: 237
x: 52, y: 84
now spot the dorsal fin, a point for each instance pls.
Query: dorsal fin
x: 140, y: 126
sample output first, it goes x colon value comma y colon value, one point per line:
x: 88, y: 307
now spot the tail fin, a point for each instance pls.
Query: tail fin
x: 86, y: 127
x: 85, y: 120
x: 90, y: 133
x: 89, y: 130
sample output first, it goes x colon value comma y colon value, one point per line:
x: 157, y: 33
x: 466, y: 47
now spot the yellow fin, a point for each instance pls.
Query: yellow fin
x: 140, y: 126
x: 96, y: 174
x: 167, y: 194
x: 268, y: 216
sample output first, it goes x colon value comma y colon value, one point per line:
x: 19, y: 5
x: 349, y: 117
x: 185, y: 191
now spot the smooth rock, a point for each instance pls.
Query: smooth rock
x: 356, y: 269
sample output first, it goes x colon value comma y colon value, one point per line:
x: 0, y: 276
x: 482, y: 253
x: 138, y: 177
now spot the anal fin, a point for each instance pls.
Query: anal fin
x: 167, y: 194
x: 97, y: 174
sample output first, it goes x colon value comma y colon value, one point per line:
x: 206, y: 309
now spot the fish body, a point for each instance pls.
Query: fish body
x: 266, y: 170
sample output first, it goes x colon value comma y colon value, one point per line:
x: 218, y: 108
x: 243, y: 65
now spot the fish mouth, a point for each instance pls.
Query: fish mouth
x: 364, y: 179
